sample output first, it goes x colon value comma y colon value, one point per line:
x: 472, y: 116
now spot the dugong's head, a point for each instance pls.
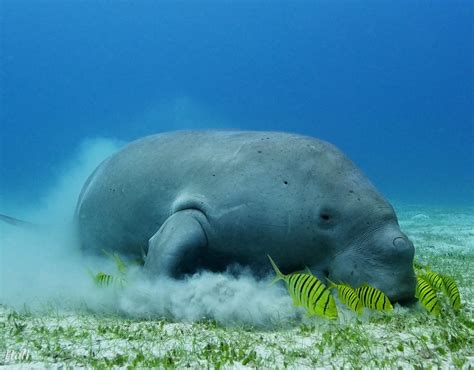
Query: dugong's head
x: 360, y: 231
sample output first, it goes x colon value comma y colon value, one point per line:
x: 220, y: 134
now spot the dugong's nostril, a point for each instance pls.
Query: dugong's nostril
x: 403, y: 248
x: 400, y: 243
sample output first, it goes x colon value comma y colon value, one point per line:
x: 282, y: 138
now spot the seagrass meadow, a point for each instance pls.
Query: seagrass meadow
x: 407, y: 337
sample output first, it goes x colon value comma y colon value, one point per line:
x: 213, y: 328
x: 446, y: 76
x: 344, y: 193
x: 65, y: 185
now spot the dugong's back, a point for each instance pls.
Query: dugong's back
x: 257, y: 181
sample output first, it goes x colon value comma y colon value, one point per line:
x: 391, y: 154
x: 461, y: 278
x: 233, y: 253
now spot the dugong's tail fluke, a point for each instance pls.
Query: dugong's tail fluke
x: 279, y: 274
x: 15, y: 221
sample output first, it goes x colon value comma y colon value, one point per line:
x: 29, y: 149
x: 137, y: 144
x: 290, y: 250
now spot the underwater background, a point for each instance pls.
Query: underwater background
x: 388, y: 82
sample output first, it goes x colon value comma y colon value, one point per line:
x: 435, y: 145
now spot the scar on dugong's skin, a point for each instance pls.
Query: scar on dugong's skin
x: 208, y: 199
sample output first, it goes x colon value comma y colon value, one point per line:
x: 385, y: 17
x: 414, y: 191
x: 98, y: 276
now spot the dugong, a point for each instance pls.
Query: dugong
x: 192, y: 200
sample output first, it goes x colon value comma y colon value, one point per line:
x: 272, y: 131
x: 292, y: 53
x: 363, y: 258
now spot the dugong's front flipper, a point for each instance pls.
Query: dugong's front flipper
x: 181, y: 234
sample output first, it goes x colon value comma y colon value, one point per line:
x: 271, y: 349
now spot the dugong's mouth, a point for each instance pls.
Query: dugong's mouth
x: 401, y: 292
x: 405, y: 293
x: 406, y: 301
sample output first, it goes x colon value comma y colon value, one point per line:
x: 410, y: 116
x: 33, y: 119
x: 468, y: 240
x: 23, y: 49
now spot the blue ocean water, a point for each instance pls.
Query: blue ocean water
x: 388, y: 82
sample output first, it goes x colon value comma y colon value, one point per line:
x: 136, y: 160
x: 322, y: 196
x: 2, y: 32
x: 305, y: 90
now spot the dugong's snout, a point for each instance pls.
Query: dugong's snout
x: 403, y: 283
x: 385, y: 261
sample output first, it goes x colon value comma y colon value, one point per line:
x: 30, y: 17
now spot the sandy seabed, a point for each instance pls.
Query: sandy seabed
x: 405, y: 338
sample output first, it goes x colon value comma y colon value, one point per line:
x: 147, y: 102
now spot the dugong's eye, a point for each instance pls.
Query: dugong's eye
x: 326, y: 218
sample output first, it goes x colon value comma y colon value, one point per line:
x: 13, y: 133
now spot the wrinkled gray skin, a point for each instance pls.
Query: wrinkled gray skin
x: 208, y: 199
